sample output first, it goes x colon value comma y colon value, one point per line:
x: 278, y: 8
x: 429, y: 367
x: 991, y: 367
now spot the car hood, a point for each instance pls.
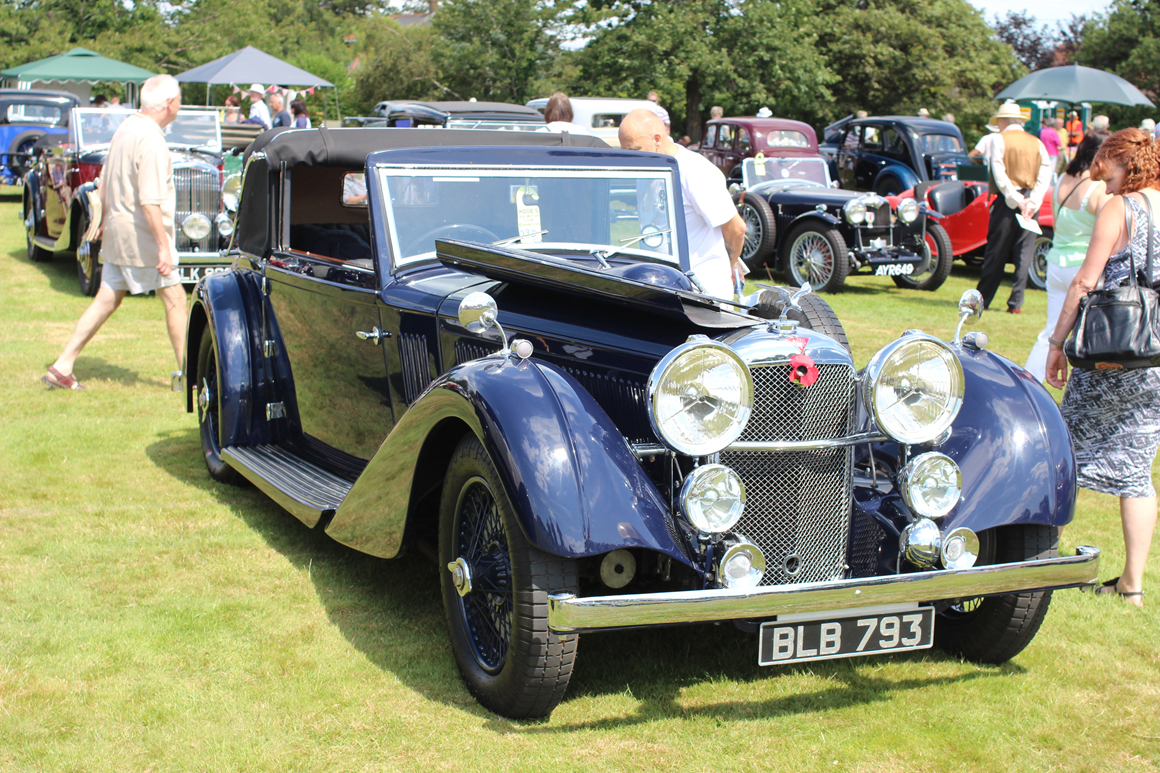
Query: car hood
x: 818, y: 194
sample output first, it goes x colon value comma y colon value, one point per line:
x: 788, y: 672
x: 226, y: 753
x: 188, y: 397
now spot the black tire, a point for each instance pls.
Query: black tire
x: 815, y: 314
x: 997, y: 628
x: 888, y: 186
x: 208, y: 404
x: 760, y: 229
x: 508, y: 658
x: 815, y: 252
x: 940, y: 256
x: 22, y: 143
x: 35, y: 253
x: 1037, y: 271
x: 88, y: 259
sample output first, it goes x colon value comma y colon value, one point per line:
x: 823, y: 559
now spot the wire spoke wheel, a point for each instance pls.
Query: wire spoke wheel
x: 480, y: 541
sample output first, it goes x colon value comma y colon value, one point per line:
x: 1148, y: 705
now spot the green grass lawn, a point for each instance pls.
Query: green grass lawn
x: 152, y: 620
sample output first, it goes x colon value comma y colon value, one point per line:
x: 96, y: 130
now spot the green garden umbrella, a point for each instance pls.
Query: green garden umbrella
x: 1074, y: 84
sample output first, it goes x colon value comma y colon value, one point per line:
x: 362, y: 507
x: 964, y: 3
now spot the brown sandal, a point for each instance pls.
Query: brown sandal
x: 57, y: 380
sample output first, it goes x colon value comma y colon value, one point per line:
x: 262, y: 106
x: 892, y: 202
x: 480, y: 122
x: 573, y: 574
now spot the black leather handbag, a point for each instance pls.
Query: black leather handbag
x: 1119, y: 328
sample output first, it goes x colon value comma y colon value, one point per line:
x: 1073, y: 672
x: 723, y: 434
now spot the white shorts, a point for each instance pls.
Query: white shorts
x: 137, y: 279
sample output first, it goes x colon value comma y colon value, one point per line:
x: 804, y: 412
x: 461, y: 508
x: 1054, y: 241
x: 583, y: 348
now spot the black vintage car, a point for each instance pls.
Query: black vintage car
x: 891, y: 154
x: 797, y: 221
x: 435, y: 339
x: 62, y: 209
x: 501, y: 116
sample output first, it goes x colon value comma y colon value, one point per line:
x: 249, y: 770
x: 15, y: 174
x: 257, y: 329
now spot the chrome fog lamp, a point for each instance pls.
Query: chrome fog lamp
x: 913, y: 388
x: 196, y: 226
x: 741, y: 566
x: 700, y: 396
x: 713, y: 498
x: 225, y: 224
x: 931, y: 484
x: 908, y: 211
x: 855, y: 211
x: 232, y: 192
x: 920, y: 542
x: 960, y: 549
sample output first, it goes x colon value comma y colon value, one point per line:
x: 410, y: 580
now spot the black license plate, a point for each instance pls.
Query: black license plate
x: 796, y: 641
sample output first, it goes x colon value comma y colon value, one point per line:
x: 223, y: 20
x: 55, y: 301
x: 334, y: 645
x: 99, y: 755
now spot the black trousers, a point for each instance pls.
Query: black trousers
x: 1006, y: 240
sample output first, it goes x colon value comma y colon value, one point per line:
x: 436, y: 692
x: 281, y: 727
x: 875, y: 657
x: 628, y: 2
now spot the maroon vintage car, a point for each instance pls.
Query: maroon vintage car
x: 729, y: 141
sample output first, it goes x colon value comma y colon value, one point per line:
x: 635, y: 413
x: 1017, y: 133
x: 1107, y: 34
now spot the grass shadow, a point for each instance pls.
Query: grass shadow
x: 391, y: 611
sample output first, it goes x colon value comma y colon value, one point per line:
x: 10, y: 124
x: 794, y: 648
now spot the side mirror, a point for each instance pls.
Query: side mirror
x: 970, y: 307
x: 735, y: 188
x: 477, y: 312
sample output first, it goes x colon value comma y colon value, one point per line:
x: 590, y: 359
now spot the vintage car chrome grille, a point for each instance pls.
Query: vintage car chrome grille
x: 198, y: 190
x: 882, y: 215
x: 798, y: 503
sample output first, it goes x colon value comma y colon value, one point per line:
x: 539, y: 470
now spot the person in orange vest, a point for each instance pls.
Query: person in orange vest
x: 1074, y: 129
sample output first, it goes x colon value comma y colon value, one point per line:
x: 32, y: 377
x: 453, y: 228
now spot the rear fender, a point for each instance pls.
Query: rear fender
x: 81, y: 211
x: 571, y: 477
x: 1013, y: 449
x: 33, y: 199
x: 904, y: 174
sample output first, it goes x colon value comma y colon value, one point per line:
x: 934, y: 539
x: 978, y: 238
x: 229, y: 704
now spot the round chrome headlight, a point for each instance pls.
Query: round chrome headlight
x: 700, y: 396
x: 914, y: 388
x: 855, y: 211
x: 225, y: 224
x: 196, y: 226
x: 920, y: 543
x: 908, y: 211
x: 713, y: 498
x: 742, y: 566
x: 232, y: 192
x: 931, y: 484
x: 960, y: 549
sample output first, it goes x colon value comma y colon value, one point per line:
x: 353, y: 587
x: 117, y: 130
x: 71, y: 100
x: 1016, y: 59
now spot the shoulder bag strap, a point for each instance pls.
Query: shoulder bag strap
x: 1148, y: 237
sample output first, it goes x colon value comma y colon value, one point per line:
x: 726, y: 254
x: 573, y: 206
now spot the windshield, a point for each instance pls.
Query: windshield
x: 191, y: 128
x: 940, y: 143
x: 572, y: 208
x: 785, y: 138
x: 784, y: 170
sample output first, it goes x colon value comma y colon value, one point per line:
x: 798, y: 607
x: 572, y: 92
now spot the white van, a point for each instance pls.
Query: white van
x: 601, y: 116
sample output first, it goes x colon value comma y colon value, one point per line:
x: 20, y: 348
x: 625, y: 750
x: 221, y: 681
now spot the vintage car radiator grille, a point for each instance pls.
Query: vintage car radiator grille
x: 198, y: 190
x: 798, y: 503
x: 882, y: 215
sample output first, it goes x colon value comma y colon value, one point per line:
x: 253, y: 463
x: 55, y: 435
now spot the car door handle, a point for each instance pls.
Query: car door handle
x: 374, y: 336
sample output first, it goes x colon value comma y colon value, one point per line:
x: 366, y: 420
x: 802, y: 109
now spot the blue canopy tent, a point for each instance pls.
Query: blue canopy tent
x: 249, y: 65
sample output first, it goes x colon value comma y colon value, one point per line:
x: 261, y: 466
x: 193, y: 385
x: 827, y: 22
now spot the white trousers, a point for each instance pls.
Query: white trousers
x: 1058, y: 280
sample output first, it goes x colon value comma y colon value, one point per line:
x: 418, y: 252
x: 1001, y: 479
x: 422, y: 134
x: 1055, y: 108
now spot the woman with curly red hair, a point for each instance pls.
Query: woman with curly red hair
x: 1114, y: 415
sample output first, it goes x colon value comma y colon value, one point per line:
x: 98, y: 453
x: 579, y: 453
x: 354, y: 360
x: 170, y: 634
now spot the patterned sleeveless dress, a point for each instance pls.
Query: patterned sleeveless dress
x: 1114, y: 415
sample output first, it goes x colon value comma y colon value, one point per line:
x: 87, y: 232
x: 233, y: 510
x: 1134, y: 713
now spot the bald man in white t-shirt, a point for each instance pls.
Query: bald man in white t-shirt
x: 716, y: 233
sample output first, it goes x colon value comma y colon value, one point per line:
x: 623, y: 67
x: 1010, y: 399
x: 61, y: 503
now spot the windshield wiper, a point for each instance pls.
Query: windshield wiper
x: 514, y: 239
x: 603, y: 256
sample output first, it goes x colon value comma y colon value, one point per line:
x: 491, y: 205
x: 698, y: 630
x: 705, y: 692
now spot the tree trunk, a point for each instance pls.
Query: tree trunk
x: 693, y: 107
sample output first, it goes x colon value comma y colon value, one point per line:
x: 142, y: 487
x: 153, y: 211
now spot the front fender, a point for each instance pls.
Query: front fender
x: 815, y: 214
x: 1013, y: 448
x: 85, y: 208
x: 220, y: 309
x: 572, y: 479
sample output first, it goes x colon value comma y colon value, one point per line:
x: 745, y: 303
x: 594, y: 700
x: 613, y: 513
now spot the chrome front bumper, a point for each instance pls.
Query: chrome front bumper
x: 569, y: 614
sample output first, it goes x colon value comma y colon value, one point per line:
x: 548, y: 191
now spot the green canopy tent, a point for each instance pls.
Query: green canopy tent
x: 79, y: 65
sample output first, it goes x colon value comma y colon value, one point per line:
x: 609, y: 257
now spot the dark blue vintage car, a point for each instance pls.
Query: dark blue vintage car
x: 891, y: 154
x: 26, y: 115
x: 495, y: 351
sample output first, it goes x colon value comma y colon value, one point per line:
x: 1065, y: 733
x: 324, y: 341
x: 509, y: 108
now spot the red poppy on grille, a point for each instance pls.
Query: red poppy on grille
x: 802, y: 370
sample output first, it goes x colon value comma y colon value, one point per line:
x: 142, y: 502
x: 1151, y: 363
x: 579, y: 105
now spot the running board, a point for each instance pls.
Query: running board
x: 45, y: 243
x: 306, y: 490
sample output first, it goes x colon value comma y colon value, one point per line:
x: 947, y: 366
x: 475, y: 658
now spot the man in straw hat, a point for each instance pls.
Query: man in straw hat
x: 1020, y: 173
x: 258, y: 110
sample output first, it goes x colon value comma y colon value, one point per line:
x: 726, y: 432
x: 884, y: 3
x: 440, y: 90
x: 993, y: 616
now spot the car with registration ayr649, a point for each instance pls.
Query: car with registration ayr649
x: 815, y: 233
x: 492, y: 353
x: 62, y: 207
x: 890, y: 154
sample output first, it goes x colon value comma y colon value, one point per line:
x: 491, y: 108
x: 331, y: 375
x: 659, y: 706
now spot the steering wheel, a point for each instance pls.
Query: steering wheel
x: 418, y: 245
